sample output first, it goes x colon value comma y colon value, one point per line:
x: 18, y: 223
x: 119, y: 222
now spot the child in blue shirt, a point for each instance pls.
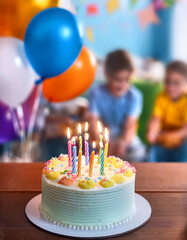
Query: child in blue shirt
x: 118, y: 104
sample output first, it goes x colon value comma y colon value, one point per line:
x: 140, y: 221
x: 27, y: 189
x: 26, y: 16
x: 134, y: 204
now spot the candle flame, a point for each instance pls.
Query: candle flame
x: 101, y: 144
x: 106, y: 134
x: 79, y: 129
x: 68, y: 133
x: 99, y: 127
x: 86, y: 127
x: 93, y: 145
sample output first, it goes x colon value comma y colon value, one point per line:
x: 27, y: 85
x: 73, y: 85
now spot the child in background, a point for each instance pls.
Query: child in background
x: 167, y: 129
x: 117, y: 104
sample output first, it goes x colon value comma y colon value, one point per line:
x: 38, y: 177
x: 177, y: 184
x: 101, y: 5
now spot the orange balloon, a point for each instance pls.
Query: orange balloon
x: 72, y: 83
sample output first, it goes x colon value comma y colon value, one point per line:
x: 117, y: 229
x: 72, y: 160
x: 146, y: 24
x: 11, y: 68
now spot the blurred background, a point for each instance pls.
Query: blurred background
x: 154, y: 33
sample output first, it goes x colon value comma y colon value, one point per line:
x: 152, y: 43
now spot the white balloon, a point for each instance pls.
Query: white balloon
x: 17, y: 77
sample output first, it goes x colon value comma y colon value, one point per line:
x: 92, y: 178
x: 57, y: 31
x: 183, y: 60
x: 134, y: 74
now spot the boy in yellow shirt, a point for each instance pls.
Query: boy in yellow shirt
x: 167, y: 129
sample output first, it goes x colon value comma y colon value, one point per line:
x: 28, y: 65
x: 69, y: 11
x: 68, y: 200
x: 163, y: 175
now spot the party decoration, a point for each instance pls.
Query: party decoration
x: 147, y: 16
x: 92, y: 9
x: 52, y: 41
x: 16, y: 74
x: 133, y: 3
x: 9, y: 125
x: 7, y: 130
x: 112, y: 6
x: 90, y: 34
x: 22, y: 11
x: 162, y: 4
x: 74, y: 81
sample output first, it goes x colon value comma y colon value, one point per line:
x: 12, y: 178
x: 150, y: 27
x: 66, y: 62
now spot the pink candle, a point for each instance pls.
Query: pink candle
x: 86, y: 144
x: 69, y: 147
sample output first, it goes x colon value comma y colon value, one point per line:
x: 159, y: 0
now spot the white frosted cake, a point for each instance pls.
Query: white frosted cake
x: 99, y: 201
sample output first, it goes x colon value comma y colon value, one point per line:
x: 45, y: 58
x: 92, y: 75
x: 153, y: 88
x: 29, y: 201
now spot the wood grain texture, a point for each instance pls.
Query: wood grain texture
x: 168, y: 221
x: 151, y: 177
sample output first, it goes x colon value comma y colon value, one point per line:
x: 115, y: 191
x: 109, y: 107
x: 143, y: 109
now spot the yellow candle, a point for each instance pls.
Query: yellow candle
x: 106, y: 146
x: 92, y: 160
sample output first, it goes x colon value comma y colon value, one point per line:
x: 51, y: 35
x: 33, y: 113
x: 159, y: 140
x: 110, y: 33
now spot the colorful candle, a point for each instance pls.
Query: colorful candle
x: 86, y: 144
x: 80, y: 151
x: 74, y: 168
x: 102, y: 161
x: 100, y: 132
x: 106, y: 147
x: 79, y: 163
x: 80, y: 137
x: 100, y: 141
x: 69, y: 147
x: 92, y: 160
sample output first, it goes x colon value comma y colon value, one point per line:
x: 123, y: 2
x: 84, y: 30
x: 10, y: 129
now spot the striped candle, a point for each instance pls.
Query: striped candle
x: 69, y: 153
x: 100, y: 132
x: 102, y: 162
x: 86, y: 144
x: 74, y: 169
x: 106, y: 147
x: 92, y: 161
x: 79, y: 163
x: 99, y: 156
x: 69, y: 147
x: 80, y: 151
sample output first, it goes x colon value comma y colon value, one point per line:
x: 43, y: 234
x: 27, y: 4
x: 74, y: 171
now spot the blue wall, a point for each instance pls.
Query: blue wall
x: 122, y: 30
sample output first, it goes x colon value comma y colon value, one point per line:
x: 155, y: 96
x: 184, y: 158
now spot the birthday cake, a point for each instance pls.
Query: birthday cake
x: 89, y: 199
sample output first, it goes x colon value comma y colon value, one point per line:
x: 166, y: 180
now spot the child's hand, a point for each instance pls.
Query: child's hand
x: 152, y: 137
x: 169, y: 140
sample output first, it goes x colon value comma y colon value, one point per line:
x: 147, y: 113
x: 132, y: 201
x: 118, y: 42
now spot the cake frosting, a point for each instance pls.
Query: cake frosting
x: 82, y: 201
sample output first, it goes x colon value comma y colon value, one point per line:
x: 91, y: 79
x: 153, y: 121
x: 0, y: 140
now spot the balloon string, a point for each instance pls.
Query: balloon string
x: 20, y: 116
x: 15, y: 122
x: 34, y: 112
x: 39, y: 81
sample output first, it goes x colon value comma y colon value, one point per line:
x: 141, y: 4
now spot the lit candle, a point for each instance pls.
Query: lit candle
x: 92, y: 160
x: 80, y: 137
x: 100, y: 132
x: 80, y: 151
x: 86, y: 144
x: 106, y: 146
x: 100, y: 141
x: 102, y: 170
x: 69, y: 146
x: 74, y: 169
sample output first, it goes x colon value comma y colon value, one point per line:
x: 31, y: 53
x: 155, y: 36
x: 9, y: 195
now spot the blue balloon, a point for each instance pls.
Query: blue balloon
x: 52, y: 41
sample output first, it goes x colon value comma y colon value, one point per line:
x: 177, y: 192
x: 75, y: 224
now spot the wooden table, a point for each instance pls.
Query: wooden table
x: 164, y: 185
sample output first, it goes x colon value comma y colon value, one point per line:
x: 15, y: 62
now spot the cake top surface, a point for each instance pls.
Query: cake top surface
x: 57, y: 172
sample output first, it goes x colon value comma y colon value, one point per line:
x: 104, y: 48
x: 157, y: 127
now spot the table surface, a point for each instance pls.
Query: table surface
x: 164, y: 185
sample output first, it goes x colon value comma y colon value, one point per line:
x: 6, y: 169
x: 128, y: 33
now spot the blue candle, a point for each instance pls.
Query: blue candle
x: 102, y: 162
x: 74, y: 167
